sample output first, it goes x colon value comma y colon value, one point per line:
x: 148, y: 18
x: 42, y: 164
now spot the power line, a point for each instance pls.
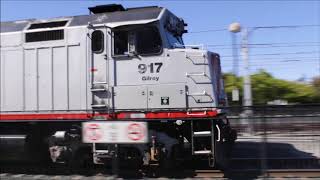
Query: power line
x: 261, y: 27
x: 209, y: 30
x: 277, y: 58
x: 280, y: 61
x: 277, y: 54
x: 266, y: 43
x: 289, y: 60
x: 286, y: 26
x: 271, y: 46
x: 297, y: 45
x: 277, y: 68
x: 277, y: 63
x: 284, y: 61
x: 299, y: 42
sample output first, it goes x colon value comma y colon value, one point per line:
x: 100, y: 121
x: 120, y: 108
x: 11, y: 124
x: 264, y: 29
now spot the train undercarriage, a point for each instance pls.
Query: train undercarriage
x: 170, y: 144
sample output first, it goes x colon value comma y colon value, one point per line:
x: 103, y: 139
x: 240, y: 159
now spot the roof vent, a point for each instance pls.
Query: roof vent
x: 106, y: 8
x: 48, y: 25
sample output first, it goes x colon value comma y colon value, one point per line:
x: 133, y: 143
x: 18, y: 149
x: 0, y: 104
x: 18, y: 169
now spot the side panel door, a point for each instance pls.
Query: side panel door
x: 167, y: 96
x: 101, y: 95
x: 130, y: 97
x: 11, y: 69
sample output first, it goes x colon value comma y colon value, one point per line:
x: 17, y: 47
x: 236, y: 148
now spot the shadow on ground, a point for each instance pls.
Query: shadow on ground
x: 254, y: 156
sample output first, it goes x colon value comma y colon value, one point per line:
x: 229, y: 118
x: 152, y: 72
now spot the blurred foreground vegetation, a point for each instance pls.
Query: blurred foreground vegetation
x: 266, y: 88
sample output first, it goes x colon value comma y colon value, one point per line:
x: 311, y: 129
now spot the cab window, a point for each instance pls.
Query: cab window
x: 144, y: 41
x: 121, y: 43
x: 97, y: 39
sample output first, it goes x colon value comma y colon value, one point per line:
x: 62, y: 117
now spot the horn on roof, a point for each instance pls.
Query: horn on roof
x: 106, y: 8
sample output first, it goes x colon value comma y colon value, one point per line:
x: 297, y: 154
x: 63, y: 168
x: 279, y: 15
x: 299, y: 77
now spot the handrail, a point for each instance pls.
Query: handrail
x: 219, y: 133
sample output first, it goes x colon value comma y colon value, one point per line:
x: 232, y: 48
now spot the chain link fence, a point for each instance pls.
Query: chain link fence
x: 276, y: 137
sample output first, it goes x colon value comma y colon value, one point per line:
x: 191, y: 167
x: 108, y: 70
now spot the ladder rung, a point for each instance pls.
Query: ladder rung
x: 98, y: 90
x: 102, y: 151
x: 189, y: 56
x: 102, y: 155
x: 202, y: 152
x: 193, y: 54
x: 99, y: 83
x: 98, y: 105
x: 195, y: 74
x: 204, y: 93
x: 202, y: 133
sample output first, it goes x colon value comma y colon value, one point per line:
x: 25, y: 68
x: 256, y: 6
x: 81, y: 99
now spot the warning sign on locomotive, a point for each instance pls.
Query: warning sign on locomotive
x: 115, y: 132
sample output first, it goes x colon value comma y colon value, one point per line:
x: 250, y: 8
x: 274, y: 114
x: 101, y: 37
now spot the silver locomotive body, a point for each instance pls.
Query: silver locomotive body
x: 127, y: 64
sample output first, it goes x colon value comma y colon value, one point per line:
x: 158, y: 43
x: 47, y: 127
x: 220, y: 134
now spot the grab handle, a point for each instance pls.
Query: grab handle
x: 219, y: 133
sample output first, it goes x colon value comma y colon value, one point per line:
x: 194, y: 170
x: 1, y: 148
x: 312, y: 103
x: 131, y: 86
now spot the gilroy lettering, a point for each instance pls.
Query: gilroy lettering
x: 150, y: 78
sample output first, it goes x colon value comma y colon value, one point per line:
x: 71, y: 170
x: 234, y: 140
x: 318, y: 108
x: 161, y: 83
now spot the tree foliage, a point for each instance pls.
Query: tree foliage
x: 267, y: 88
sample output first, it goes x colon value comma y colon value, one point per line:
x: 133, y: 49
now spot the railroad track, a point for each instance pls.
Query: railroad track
x: 239, y: 168
x: 258, y: 173
x: 43, y: 173
x: 254, y: 174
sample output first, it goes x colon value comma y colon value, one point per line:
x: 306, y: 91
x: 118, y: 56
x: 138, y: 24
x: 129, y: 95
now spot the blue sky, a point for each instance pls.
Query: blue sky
x: 297, y: 48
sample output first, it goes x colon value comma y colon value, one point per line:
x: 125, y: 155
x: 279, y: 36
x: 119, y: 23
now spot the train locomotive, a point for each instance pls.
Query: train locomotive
x: 115, y: 66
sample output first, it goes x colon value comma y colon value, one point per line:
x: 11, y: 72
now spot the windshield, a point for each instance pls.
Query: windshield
x: 148, y: 41
x: 174, y: 41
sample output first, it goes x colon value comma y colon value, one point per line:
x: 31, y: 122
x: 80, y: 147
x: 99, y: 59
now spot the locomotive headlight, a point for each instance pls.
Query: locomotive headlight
x: 179, y: 122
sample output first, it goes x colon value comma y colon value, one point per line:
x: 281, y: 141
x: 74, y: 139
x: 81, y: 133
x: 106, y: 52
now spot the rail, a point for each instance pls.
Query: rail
x: 23, y: 172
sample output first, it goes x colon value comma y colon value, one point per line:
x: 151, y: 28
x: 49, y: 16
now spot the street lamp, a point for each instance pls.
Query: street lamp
x: 235, y: 27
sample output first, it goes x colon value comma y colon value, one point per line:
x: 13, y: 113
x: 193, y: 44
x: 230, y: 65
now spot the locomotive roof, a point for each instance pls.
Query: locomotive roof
x: 129, y: 15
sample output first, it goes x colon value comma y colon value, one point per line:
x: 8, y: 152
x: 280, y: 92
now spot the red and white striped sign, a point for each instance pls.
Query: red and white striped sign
x: 136, y: 132
x: 93, y: 132
x: 115, y: 132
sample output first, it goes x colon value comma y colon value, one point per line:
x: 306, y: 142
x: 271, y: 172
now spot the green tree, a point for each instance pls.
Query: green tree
x: 267, y: 88
x: 231, y: 82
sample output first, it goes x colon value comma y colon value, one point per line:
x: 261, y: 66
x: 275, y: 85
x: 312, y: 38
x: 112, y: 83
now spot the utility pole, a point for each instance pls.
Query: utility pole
x: 235, y: 28
x: 235, y: 54
x: 235, y: 90
x: 247, y: 95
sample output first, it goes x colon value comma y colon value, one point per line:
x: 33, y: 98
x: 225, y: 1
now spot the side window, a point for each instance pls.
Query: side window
x: 97, y: 41
x: 120, y: 43
x: 148, y: 41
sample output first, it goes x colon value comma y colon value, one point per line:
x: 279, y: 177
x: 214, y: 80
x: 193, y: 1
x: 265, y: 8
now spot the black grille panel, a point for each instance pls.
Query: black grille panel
x: 45, y: 36
x: 48, y: 25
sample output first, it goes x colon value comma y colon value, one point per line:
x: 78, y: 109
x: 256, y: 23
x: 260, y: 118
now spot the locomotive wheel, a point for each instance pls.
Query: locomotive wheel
x: 81, y: 160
